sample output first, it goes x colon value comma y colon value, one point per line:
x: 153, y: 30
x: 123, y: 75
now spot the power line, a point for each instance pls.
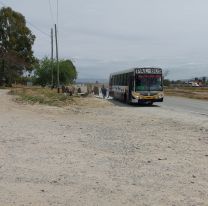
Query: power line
x: 35, y: 27
x: 57, y: 21
x: 57, y: 13
x: 51, y: 11
x: 31, y: 24
x: 2, y: 3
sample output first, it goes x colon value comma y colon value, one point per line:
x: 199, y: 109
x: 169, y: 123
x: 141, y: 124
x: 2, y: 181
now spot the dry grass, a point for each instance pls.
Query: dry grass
x: 35, y: 95
x: 189, y: 92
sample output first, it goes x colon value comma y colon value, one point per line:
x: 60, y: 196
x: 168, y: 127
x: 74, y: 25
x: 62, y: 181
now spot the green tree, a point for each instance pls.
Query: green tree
x: 43, y: 72
x: 16, y: 42
x: 166, y: 82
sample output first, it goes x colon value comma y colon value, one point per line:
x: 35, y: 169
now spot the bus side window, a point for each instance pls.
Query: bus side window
x: 111, y: 81
x: 131, y: 82
x: 125, y: 82
x: 116, y: 80
x: 122, y: 78
x: 119, y: 81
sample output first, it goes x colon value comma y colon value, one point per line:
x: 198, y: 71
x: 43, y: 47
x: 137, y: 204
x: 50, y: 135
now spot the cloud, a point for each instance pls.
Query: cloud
x: 106, y: 36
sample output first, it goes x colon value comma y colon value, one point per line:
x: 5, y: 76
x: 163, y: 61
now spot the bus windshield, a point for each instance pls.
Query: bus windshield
x: 148, y: 82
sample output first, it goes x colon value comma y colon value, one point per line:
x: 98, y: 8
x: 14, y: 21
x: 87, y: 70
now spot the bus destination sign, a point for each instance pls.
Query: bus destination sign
x: 148, y: 71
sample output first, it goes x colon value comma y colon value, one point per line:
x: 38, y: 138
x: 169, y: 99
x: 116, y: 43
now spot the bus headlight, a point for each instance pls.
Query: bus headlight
x: 160, y: 95
x: 136, y: 95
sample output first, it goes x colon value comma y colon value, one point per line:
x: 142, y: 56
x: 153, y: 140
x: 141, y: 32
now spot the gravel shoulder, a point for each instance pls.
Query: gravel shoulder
x: 101, y: 153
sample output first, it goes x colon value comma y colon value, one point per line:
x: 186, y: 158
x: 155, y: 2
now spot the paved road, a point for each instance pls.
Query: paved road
x: 199, y: 107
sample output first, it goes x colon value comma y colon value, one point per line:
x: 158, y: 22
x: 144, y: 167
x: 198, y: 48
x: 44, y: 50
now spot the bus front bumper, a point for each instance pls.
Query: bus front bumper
x: 146, y: 101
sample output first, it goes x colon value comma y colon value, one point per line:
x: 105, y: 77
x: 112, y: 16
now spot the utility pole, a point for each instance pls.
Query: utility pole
x: 57, y: 60
x: 3, y: 78
x: 52, y: 83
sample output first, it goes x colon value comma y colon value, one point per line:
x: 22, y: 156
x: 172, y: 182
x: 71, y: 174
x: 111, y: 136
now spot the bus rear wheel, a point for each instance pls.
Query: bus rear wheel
x: 125, y: 98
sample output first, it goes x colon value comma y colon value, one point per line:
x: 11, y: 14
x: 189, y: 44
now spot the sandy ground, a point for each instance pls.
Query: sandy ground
x: 104, y: 153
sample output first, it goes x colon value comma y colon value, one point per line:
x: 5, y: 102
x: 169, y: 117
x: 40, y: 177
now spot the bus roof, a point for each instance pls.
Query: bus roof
x: 132, y: 70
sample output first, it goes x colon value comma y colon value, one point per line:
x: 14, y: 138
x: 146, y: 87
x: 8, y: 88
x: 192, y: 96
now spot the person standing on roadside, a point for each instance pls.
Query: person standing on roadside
x: 104, y: 91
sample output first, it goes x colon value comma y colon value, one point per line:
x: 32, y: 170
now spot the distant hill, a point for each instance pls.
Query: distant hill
x: 84, y: 81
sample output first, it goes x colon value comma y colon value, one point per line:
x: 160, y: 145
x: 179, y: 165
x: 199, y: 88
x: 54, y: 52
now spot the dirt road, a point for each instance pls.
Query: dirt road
x: 101, y: 155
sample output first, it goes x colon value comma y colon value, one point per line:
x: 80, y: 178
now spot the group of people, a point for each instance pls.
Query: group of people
x: 96, y: 91
x: 71, y: 90
x: 68, y: 90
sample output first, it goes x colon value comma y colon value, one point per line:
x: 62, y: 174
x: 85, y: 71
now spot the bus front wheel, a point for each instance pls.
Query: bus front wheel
x: 150, y: 103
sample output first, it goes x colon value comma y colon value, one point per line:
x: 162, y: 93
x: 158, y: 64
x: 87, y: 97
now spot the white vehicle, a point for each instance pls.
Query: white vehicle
x: 195, y: 84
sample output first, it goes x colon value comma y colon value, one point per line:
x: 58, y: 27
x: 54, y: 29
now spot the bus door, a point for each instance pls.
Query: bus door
x: 130, y: 85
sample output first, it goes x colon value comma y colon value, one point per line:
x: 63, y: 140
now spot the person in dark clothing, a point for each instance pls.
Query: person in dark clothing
x: 104, y: 91
x: 79, y: 90
x: 63, y: 89
x: 96, y: 90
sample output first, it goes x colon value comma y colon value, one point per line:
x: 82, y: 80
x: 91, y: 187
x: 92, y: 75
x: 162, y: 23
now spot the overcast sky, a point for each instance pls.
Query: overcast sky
x: 104, y: 36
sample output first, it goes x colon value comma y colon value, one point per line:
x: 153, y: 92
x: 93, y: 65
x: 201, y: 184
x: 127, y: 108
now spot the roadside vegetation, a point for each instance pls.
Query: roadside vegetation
x: 36, y: 95
x: 46, y: 69
x: 16, y: 41
x: 18, y: 65
x: 189, y: 92
x: 46, y: 96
